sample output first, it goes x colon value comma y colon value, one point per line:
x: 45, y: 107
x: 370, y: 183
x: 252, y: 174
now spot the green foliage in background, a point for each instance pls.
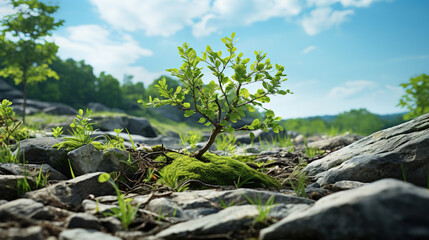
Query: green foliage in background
x: 28, y: 56
x: 358, y: 121
x: 224, y: 100
x: 416, y: 97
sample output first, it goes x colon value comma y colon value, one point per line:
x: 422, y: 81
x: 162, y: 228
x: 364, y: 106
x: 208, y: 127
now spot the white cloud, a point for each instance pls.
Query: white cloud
x: 308, y: 49
x: 225, y: 13
x: 166, y: 17
x: 351, y: 88
x: 96, y: 46
x: 344, y: 3
x: 160, y: 17
x: 322, y: 19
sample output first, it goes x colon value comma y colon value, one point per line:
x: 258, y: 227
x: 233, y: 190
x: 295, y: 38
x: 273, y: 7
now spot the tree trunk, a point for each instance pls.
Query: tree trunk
x: 24, y: 92
x: 198, y: 154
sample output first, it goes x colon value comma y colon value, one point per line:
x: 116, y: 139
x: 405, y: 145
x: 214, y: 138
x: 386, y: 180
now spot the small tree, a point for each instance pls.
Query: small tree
x: 224, y: 100
x: 28, y: 53
x: 416, y: 97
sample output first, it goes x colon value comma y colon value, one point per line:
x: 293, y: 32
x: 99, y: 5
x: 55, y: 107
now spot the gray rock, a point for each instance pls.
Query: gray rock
x: 85, y: 234
x: 232, y: 218
x: 33, y: 103
x: 9, y: 187
x: 135, y: 125
x: 83, y: 220
x: 19, y: 109
x: 70, y: 194
x: 386, y: 209
x: 33, y: 233
x: 335, y: 143
x: 11, y: 94
x: 140, y: 126
x: 110, y: 123
x: 88, y: 159
x: 98, y: 107
x: 60, y: 109
x: 316, y: 193
x: 164, y: 207
x: 195, y: 204
x: 282, y: 210
x: 380, y: 155
x: 31, y: 169
x: 111, y: 224
x: 346, y: 185
x: 91, y: 206
x: 40, y: 150
x: 26, y: 208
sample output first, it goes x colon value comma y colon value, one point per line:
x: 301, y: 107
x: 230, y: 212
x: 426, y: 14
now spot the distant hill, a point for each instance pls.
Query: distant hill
x: 359, y: 121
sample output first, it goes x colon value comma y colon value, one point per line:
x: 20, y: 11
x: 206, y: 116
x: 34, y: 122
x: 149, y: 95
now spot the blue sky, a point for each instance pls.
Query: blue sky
x: 339, y: 54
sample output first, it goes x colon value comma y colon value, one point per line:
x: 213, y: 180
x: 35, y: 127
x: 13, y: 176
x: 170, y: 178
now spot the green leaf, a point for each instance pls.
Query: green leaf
x: 80, y: 112
x: 202, y: 120
x: 269, y: 114
x: 189, y: 113
x: 104, y: 177
x: 255, y: 123
x: 252, y: 136
x: 244, y: 92
x: 186, y: 105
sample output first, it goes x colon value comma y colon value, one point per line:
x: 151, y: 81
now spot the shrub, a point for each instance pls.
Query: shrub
x: 225, y: 100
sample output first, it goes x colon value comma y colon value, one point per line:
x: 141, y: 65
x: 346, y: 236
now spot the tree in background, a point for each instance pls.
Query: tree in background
x: 28, y: 53
x: 108, y: 90
x: 416, y: 97
x: 359, y: 121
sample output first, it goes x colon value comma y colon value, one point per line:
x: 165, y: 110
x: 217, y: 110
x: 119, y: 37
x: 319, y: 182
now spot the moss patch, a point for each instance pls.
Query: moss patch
x: 217, y: 170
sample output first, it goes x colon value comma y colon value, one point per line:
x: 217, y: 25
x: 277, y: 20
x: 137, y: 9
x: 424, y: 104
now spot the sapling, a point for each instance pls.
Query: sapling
x: 226, y: 99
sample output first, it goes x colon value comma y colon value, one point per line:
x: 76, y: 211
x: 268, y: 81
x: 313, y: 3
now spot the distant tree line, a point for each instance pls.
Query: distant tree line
x: 359, y: 121
x: 78, y: 85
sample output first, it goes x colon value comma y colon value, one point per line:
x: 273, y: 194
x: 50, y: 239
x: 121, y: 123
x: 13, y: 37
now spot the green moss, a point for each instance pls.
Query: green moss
x: 157, y: 148
x: 217, y: 170
x: 245, y: 159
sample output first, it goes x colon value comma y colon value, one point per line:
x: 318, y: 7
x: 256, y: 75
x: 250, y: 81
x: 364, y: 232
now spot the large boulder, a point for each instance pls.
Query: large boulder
x: 32, y: 103
x: 9, y: 186
x: 196, y: 204
x: 140, y: 126
x: 386, y: 209
x: 32, y: 170
x: 88, y: 159
x: 99, y: 107
x: 134, y: 125
x: 397, y: 152
x: 40, y: 150
x: 26, y: 207
x: 60, y: 109
x: 71, y: 193
x: 8, y: 92
x: 335, y: 143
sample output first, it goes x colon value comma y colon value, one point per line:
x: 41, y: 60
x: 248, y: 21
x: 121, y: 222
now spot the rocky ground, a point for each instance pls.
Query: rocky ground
x: 354, y: 188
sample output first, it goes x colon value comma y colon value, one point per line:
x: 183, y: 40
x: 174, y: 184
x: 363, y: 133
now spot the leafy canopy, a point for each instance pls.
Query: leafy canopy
x: 416, y: 97
x: 28, y: 52
x: 225, y: 99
